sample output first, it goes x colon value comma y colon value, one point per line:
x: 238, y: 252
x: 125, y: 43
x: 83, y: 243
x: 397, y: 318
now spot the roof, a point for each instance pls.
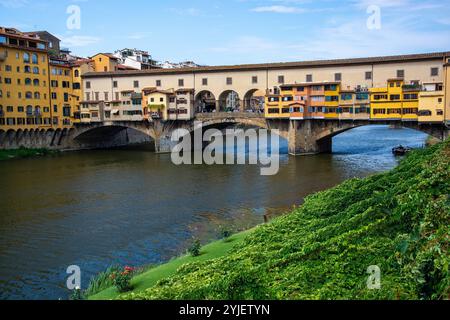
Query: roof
x: 124, y: 67
x: 12, y: 32
x: 305, y: 84
x: 109, y: 55
x: 279, y: 65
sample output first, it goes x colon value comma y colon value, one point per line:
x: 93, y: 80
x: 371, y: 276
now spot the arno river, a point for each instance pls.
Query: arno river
x: 133, y: 207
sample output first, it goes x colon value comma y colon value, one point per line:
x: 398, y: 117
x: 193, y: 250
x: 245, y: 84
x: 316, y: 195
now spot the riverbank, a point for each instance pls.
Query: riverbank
x: 396, y: 222
x: 150, y: 277
x: 24, y: 153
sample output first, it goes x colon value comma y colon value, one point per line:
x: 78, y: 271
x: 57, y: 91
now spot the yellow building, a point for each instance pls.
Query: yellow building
x: 105, y: 62
x: 447, y: 91
x: 156, y: 103
x: 278, y: 106
x: 397, y: 101
x: 331, y: 92
x: 79, y: 67
x: 63, y: 102
x: 431, y: 103
x: 36, y: 90
x: 24, y: 81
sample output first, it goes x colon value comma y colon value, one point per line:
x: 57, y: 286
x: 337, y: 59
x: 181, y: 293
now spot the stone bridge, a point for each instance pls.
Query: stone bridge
x: 304, y: 137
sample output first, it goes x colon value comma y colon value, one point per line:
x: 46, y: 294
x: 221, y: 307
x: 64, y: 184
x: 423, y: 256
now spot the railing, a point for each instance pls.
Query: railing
x: 220, y: 115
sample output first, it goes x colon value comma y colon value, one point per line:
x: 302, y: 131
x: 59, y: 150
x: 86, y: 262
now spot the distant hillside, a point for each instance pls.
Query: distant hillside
x: 398, y: 221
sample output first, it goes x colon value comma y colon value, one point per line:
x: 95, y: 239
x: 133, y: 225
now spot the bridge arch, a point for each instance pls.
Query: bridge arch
x: 229, y: 101
x: 205, y: 102
x: 254, y: 101
x: 102, y: 136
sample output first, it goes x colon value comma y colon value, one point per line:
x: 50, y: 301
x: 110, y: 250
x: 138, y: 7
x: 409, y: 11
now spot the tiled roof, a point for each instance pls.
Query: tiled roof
x: 280, y: 65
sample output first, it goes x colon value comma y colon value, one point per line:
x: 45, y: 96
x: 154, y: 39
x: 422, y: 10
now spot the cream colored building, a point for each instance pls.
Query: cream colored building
x: 220, y: 81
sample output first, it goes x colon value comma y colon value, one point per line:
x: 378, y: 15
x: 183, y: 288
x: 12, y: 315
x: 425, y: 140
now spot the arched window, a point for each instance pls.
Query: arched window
x: 27, y: 69
x: 37, y: 111
x: 34, y: 58
x: 26, y: 58
x: 28, y: 95
x: 36, y: 82
x: 77, y: 73
x: 27, y: 81
x: 35, y: 70
x: 29, y: 110
x: 37, y: 95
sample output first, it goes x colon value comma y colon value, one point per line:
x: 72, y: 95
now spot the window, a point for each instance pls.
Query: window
x: 77, y: 73
x: 394, y: 97
x: 66, y: 111
x: 2, y: 39
x: 8, y: 68
x: 27, y: 69
x: 161, y: 99
x: 400, y: 73
x: 35, y: 70
x: 229, y: 81
x: 97, y: 96
x: 9, y: 109
x: 26, y: 58
x: 136, y: 84
x: 158, y: 83
x: 338, y: 77
x: 28, y: 95
x: 34, y: 58
x: 37, y: 95
x: 440, y: 112
x: 254, y: 79
x: 54, y: 84
x: 36, y: 82
x: 88, y: 84
x: 106, y: 96
x: 309, y: 78
x: 181, y: 82
x: 281, y: 79
x: 205, y: 81
x: 27, y: 81
x: 439, y: 100
x: 434, y: 72
x: 55, y: 108
x: 7, y: 80
x: 66, y: 97
x: 54, y: 95
x: 368, y: 75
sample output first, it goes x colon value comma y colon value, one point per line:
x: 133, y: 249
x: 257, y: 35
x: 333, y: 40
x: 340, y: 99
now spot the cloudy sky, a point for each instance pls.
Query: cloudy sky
x: 217, y: 32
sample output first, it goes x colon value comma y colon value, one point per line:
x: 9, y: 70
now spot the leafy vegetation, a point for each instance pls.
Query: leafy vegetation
x: 102, y: 281
x: 149, y: 276
x: 24, y: 153
x: 398, y: 221
x: 194, y: 249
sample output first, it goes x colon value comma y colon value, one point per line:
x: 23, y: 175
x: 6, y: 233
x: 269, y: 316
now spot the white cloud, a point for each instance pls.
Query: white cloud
x: 278, y: 9
x: 13, y: 4
x: 78, y: 41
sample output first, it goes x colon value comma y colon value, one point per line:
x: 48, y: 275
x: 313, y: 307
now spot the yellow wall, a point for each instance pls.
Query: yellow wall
x: 64, y: 96
x: 431, y: 102
x: 103, y: 63
x: 13, y: 95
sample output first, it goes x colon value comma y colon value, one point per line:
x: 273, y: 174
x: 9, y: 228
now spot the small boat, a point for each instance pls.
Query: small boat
x: 400, y: 150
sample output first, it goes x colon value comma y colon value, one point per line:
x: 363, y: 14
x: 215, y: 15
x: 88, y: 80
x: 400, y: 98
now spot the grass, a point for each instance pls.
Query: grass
x: 24, y: 153
x: 398, y: 221
x: 149, y: 278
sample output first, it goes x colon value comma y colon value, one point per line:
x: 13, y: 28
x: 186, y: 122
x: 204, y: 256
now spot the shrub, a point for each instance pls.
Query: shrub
x: 102, y: 281
x: 122, y: 279
x: 195, y: 247
x: 225, y: 233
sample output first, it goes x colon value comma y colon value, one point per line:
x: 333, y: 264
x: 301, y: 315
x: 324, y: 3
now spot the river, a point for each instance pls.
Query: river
x: 133, y: 207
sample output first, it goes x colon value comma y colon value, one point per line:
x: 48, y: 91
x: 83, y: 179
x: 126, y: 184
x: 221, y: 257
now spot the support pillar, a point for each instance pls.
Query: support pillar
x: 302, y: 138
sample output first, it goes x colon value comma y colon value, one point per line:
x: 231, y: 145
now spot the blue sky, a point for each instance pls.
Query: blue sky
x: 217, y: 32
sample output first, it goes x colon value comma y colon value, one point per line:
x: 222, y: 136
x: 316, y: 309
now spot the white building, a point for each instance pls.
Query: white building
x: 137, y: 59
x: 184, y: 64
